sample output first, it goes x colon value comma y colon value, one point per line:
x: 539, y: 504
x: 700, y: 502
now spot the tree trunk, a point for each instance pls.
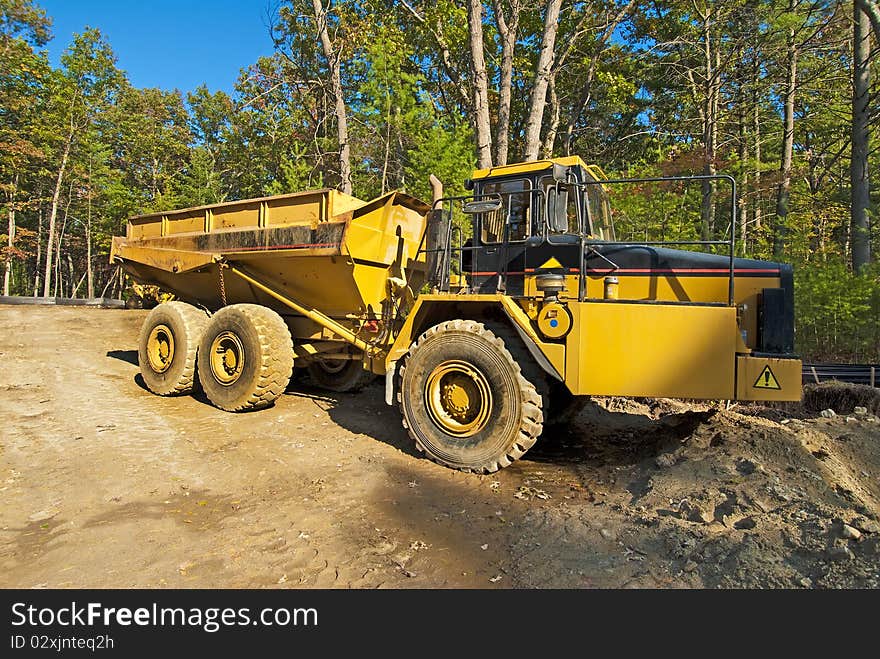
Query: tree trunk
x: 37, y: 259
x: 482, y: 127
x: 553, y: 128
x: 542, y: 77
x: 10, y: 240
x: 871, y: 8
x: 756, y: 129
x: 743, y: 155
x: 89, y: 270
x: 53, y: 213
x: 861, y: 198
x: 780, y: 230
x: 710, y: 130
x: 577, y: 110
x: 507, y: 30
x: 333, y: 57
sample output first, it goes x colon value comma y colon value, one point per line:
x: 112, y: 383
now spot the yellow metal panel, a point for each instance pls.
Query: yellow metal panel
x: 170, y: 260
x: 767, y: 378
x: 186, y: 223
x: 676, y: 288
x: 368, y: 237
x: 670, y: 351
x: 324, y: 283
x: 554, y: 352
x: 306, y: 210
x: 144, y: 228
x: 339, y: 203
x: 237, y: 217
x: 533, y: 166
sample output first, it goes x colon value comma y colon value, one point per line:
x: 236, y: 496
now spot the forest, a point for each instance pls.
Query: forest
x: 369, y: 96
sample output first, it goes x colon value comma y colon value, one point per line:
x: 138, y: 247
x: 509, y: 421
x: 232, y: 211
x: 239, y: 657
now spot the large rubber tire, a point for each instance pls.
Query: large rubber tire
x: 339, y: 375
x: 245, y: 357
x: 167, y: 347
x: 489, y: 363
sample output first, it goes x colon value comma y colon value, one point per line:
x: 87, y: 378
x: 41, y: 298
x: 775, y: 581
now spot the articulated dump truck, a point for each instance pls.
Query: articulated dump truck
x: 483, y: 339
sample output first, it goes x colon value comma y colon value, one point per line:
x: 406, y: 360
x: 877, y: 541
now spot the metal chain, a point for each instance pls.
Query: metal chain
x: 222, y: 284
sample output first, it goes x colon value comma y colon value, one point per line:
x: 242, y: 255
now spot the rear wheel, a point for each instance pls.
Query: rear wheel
x: 339, y: 375
x: 469, y: 396
x: 245, y: 357
x: 167, y: 347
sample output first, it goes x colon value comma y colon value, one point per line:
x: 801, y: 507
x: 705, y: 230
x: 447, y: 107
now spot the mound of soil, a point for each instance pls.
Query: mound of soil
x: 841, y: 397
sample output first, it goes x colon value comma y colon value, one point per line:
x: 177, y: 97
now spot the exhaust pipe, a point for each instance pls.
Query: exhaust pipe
x: 436, y: 191
x: 437, y: 240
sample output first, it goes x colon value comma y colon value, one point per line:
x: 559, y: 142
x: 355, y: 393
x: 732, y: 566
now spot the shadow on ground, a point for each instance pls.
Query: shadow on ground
x: 129, y: 356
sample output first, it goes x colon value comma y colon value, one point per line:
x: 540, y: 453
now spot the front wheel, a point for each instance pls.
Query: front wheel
x: 469, y: 396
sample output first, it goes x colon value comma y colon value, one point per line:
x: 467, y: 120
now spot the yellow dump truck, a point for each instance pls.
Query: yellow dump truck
x: 483, y: 339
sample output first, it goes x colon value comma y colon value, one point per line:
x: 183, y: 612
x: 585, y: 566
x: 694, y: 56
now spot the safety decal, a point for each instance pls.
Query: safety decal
x: 551, y: 264
x: 766, y: 380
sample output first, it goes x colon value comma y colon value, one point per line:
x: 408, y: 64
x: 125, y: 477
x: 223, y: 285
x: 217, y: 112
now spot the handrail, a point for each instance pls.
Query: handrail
x: 586, y: 240
x: 730, y: 242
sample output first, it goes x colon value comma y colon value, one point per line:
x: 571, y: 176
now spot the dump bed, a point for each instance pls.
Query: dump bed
x: 323, y: 248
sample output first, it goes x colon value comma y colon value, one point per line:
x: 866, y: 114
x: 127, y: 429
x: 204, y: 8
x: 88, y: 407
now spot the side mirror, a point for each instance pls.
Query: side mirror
x: 484, y: 206
x: 560, y: 173
x: 557, y: 209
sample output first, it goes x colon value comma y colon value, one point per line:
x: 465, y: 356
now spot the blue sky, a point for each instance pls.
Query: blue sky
x: 170, y: 44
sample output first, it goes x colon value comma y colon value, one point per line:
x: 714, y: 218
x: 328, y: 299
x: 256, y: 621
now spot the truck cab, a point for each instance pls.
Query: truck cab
x: 546, y: 208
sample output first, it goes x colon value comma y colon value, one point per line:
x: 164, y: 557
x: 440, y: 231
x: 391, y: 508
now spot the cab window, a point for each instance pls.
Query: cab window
x: 516, y: 202
x: 599, y: 212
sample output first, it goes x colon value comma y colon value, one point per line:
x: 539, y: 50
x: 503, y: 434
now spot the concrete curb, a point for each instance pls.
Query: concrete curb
x: 103, y: 302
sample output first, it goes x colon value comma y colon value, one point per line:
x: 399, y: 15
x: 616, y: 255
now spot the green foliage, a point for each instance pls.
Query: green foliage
x: 838, y: 313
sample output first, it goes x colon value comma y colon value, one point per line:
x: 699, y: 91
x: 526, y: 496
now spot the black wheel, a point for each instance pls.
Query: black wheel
x: 167, y: 347
x: 245, y: 357
x: 469, y: 396
x: 339, y: 374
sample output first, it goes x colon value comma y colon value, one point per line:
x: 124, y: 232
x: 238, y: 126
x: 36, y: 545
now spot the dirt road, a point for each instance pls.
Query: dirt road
x: 105, y: 485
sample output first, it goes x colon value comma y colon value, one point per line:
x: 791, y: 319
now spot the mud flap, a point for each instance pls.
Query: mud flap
x: 390, y: 372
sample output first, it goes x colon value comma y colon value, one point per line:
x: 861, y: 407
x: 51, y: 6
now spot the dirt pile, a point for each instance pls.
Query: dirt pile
x: 841, y: 397
x: 748, y: 497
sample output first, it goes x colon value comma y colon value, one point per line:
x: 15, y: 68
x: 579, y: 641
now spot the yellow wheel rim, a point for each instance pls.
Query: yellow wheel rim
x: 227, y: 358
x: 458, y: 398
x: 160, y: 348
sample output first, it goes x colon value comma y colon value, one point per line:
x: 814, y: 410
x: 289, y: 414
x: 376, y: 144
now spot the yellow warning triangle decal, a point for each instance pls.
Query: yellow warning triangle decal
x: 766, y: 380
x: 550, y: 264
